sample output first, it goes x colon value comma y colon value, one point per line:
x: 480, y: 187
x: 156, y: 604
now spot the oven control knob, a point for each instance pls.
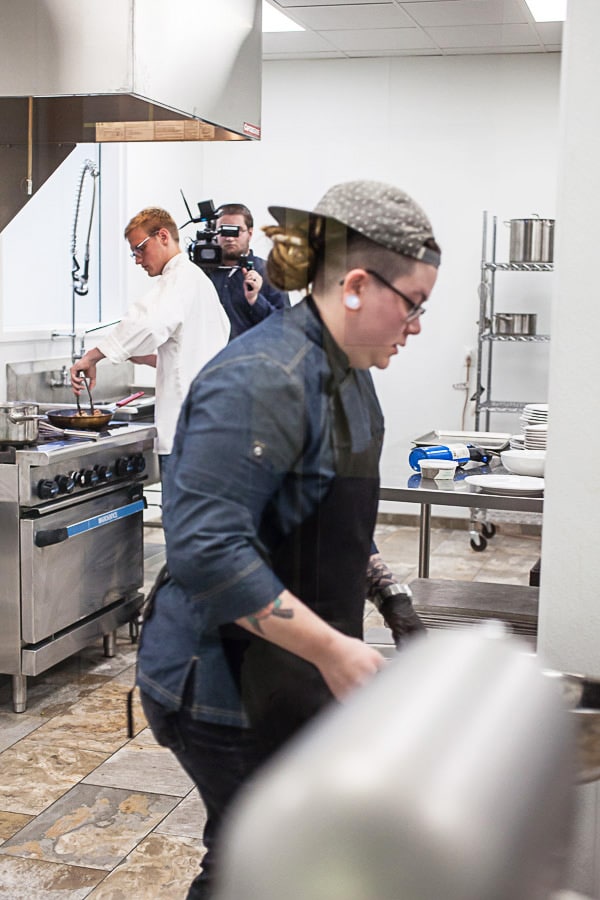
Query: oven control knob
x: 139, y: 462
x: 105, y: 473
x: 47, y: 489
x: 89, y: 477
x: 66, y: 483
x: 124, y: 466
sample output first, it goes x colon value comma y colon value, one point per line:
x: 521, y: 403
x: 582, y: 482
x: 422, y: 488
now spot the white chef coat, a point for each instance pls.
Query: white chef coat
x: 181, y: 320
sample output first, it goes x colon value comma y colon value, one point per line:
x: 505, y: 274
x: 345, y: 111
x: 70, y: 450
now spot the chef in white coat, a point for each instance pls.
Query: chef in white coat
x: 176, y: 327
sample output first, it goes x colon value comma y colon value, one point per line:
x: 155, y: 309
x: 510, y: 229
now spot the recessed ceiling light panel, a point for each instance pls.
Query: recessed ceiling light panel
x: 548, y: 10
x: 274, y: 20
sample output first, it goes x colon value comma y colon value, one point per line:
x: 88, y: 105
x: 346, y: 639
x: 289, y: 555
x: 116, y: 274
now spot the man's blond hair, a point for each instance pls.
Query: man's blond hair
x: 151, y: 220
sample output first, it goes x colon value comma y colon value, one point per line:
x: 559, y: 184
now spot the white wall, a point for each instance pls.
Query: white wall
x: 36, y: 295
x: 461, y: 134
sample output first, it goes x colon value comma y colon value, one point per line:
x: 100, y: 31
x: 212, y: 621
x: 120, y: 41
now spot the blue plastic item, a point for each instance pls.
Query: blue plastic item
x: 458, y: 452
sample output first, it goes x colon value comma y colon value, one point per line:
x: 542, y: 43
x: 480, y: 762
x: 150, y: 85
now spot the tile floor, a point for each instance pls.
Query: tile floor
x: 85, y: 812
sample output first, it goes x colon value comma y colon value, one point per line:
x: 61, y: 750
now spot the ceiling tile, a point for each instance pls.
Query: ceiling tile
x: 485, y: 36
x: 294, y: 42
x: 345, y: 3
x: 380, y: 39
x: 306, y: 54
x: 465, y: 12
x: 381, y: 54
x: 490, y: 51
x: 410, y: 27
x: 550, y: 32
x: 359, y: 15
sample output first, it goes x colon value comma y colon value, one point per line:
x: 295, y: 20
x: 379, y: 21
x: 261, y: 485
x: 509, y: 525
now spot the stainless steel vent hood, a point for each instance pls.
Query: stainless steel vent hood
x: 75, y: 71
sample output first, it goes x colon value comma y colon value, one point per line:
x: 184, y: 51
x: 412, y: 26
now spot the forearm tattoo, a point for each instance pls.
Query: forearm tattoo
x: 272, y: 609
x: 378, y: 575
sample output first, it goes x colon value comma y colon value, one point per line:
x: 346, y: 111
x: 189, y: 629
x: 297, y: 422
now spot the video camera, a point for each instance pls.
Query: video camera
x: 204, y: 251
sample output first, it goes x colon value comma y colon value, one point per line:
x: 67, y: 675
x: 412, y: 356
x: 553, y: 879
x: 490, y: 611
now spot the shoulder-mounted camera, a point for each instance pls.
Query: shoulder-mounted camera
x: 204, y: 250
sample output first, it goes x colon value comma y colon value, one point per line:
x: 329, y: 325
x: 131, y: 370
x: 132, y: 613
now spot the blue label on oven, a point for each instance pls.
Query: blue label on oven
x: 105, y: 518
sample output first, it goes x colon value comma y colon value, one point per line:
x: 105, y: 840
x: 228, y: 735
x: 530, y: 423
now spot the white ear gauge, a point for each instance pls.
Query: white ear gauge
x: 351, y: 301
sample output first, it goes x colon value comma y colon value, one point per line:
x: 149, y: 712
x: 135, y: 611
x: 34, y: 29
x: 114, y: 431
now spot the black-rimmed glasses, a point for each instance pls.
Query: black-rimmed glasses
x: 414, y: 309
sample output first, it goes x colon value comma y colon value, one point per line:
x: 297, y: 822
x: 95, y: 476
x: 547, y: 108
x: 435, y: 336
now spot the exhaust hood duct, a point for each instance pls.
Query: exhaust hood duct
x: 84, y: 71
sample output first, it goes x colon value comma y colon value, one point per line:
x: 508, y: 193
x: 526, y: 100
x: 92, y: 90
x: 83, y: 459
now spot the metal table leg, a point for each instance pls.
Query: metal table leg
x: 110, y: 643
x: 424, y: 540
x: 19, y: 690
x: 134, y: 629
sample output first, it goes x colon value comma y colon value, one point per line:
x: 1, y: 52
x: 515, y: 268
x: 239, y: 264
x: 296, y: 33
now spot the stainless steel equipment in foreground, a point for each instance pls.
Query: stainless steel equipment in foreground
x: 582, y: 697
x: 71, y: 546
x: 449, y: 775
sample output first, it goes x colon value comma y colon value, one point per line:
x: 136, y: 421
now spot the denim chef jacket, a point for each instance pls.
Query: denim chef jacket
x: 230, y: 288
x: 255, y: 450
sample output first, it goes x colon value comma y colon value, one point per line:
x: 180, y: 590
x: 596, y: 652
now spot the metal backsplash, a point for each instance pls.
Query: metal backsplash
x: 47, y: 381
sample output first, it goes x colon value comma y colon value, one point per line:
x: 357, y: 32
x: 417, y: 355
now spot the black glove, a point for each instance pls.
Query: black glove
x: 395, y: 605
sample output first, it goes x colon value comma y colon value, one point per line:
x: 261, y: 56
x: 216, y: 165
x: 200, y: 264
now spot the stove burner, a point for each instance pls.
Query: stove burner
x: 44, y: 439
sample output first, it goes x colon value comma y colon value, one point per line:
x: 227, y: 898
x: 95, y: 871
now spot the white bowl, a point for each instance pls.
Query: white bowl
x: 524, y: 462
x: 440, y: 469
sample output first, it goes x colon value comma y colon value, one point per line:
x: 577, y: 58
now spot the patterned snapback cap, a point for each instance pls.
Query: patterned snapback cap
x: 380, y: 212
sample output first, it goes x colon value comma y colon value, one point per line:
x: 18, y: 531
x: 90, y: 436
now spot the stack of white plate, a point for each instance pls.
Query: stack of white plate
x: 534, y: 414
x: 534, y: 420
x: 536, y: 437
x: 517, y: 442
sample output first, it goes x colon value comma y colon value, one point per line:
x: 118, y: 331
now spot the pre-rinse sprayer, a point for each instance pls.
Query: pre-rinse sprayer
x: 79, y: 275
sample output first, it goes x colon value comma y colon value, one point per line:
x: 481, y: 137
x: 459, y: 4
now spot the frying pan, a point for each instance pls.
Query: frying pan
x: 80, y: 419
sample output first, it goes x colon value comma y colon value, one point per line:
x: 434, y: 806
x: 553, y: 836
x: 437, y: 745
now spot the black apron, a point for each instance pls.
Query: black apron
x: 323, y: 561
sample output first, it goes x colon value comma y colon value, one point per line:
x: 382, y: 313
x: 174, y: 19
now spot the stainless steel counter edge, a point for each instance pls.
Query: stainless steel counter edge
x: 461, y: 494
x: 118, y: 437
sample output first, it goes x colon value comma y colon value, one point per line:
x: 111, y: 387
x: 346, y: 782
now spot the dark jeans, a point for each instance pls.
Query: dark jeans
x: 219, y: 759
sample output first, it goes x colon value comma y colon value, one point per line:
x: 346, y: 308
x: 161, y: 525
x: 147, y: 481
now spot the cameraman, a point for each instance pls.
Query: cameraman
x: 241, y: 284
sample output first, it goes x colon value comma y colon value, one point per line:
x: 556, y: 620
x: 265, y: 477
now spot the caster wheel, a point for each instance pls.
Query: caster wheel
x: 478, y: 545
x: 488, y: 531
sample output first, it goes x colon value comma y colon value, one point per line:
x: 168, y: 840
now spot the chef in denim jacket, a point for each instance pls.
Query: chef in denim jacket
x: 256, y: 625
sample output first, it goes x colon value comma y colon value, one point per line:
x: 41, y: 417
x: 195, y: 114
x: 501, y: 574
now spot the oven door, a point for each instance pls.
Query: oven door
x: 79, y: 559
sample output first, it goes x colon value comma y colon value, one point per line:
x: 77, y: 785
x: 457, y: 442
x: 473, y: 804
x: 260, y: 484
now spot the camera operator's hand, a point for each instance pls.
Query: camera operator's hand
x: 252, y: 285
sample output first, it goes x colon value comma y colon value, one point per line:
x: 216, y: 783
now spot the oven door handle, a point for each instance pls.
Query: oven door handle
x: 58, y: 535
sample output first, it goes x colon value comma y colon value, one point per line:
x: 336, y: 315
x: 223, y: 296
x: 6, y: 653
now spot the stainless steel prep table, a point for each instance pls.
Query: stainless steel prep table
x: 443, y: 603
x: 410, y: 487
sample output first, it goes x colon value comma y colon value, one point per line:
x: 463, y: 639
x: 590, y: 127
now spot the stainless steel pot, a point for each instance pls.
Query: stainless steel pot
x: 531, y: 240
x: 18, y: 424
x: 515, y: 323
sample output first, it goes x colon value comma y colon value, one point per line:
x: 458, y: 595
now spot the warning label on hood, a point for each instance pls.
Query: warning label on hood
x: 252, y: 130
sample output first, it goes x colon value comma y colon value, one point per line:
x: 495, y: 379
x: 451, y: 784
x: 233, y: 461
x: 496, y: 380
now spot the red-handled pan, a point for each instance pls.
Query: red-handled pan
x: 91, y: 419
